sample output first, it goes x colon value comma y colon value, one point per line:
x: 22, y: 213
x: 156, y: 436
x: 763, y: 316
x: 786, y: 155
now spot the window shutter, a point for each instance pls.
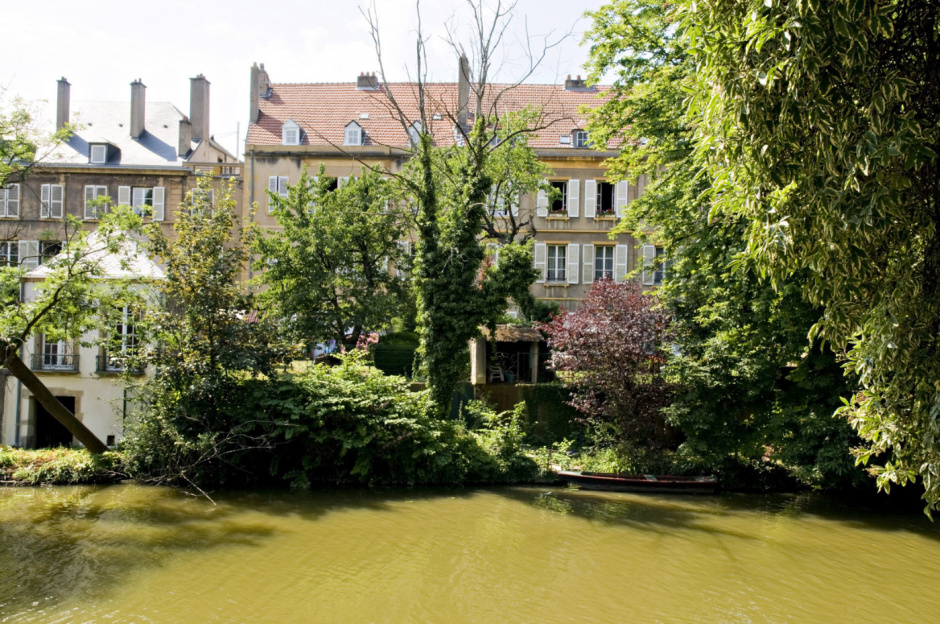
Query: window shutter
x: 620, y: 263
x: 124, y: 195
x: 574, y: 202
x: 13, y: 200
x: 29, y: 253
x: 649, y: 265
x: 89, y: 198
x: 641, y: 181
x: 590, y: 198
x: 541, y: 204
x: 573, y: 264
x: 588, y: 252
x: 516, y: 199
x: 44, y: 201
x: 272, y: 184
x: 57, y: 201
x: 282, y: 186
x: 623, y: 188
x: 540, y: 262
x: 159, y: 197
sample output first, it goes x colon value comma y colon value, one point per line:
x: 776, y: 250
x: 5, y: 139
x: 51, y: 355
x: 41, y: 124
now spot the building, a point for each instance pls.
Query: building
x: 345, y: 125
x: 86, y: 374
x: 146, y: 155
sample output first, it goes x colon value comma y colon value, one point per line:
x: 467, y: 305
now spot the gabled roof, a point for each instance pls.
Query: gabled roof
x: 323, y: 110
x: 109, y: 122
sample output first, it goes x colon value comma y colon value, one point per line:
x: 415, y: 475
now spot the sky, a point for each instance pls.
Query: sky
x: 101, y: 46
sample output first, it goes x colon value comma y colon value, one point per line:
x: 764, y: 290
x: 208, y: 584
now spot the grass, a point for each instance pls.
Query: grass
x: 58, y: 466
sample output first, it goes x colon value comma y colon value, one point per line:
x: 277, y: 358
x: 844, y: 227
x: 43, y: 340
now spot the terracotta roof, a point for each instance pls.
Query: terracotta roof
x: 323, y: 110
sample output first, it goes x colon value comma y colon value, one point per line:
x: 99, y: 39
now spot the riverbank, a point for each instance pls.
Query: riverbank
x: 59, y: 466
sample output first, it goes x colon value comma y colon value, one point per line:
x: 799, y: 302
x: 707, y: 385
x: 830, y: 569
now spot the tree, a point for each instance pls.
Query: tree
x: 73, y: 298
x: 206, y: 337
x: 340, y: 262
x: 609, y: 351
x: 818, y: 124
x: 748, y: 383
x: 450, y: 187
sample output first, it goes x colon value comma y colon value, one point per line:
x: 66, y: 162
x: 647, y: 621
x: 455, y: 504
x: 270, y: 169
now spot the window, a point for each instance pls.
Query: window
x: 98, y: 154
x: 580, y: 138
x: 458, y: 136
x: 10, y: 201
x: 603, y: 262
x: 49, y: 250
x: 142, y: 201
x: 51, y: 198
x: 92, y: 207
x: 560, y: 204
x: 414, y: 133
x: 654, y: 265
x: 9, y: 253
x: 557, y: 255
x: 564, y: 139
x: 277, y: 185
x: 660, y: 273
x: 57, y: 354
x: 123, y: 341
x: 605, y: 198
x: 353, y: 134
x: 290, y: 133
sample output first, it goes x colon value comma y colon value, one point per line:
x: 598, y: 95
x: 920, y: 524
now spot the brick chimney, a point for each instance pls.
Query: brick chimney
x: 463, y: 91
x: 260, y: 88
x: 574, y: 84
x: 367, y: 82
x: 186, y: 137
x: 138, y: 102
x: 62, y: 104
x: 199, y: 106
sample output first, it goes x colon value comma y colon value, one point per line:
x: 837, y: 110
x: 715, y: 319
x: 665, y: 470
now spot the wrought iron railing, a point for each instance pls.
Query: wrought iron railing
x: 54, y: 362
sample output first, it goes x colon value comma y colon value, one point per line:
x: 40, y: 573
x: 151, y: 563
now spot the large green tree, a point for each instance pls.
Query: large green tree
x: 748, y: 383
x: 818, y: 124
x: 342, y: 259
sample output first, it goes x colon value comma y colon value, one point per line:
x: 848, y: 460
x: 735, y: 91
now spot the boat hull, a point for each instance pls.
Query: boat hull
x: 640, y: 483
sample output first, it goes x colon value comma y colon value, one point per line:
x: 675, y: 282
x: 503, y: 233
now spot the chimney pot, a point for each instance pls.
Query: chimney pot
x: 367, y: 82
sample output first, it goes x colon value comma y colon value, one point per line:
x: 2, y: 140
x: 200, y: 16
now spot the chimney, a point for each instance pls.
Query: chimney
x: 253, y: 96
x: 575, y: 84
x: 463, y: 91
x: 367, y: 82
x: 62, y: 104
x: 138, y: 100
x: 186, y: 137
x: 199, y: 106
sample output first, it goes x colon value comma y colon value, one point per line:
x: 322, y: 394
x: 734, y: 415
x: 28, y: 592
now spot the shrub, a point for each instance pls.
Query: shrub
x: 59, y: 466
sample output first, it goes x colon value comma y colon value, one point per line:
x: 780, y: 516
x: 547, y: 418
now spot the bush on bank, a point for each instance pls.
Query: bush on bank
x: 58, y: 466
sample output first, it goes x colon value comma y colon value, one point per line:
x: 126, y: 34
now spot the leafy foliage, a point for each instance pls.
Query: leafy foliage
x: 818, y: 124
x: 608, y: 351
x: 59, y: 466
x: 339, y: 262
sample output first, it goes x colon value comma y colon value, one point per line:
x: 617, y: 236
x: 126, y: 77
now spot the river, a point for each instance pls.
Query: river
x: 130, y: 553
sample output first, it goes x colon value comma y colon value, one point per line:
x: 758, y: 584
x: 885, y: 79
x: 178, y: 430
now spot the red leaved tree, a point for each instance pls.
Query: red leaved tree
x: 608, y: 352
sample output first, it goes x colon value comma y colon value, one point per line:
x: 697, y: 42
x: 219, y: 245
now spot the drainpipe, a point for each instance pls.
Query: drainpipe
x: 19, y: 385
x: 251, y: 203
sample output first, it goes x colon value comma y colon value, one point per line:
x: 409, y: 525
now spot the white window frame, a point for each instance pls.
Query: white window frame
x: 556, y: 262
x: 603, y: 262
x: 563, y: 186
x: 612, y: 210
x: 51, y: 201
x: 290, y: 133
x: 352, y: 134
x: 9, y: 253
x: 141, y: 196
x: 56, y: 355
x: 10, y: 200
x: 580, y: 138
x: 128, y: 335
x: 93, y: 192
x: 102, y: 154
x: 278, y: 186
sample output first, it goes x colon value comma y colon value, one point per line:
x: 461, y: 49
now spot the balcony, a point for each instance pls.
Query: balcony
x: 117, y: 363
x: 53, y: 362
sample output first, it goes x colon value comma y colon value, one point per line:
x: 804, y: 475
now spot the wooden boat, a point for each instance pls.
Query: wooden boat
x: 640, y: 483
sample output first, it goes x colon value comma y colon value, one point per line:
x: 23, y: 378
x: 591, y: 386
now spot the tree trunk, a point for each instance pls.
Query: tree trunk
x: 52, y: 404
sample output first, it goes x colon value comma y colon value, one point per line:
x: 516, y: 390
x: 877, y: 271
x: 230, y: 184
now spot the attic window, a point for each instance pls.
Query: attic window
x: 436, y: 117
x: 290, y: 133
x: 99, y: 154
x: 353, y: 134
x: 564, y: 139
x: 580, y: 138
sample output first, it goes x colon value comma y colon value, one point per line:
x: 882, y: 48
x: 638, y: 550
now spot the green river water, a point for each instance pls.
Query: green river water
x: 129, y: 553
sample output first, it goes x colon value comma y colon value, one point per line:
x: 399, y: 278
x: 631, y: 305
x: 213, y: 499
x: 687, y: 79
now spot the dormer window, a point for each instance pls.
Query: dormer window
x: 580, y: 138
x: 353, y: 134
x: 98, y: 154
x: 414, y: 133
x: 290, y: 133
